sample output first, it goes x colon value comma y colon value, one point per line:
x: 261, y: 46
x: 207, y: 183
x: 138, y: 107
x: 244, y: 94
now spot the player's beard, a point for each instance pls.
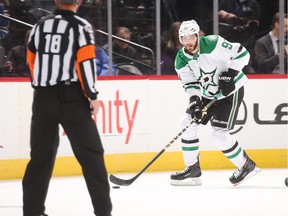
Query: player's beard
x: 192, y: 49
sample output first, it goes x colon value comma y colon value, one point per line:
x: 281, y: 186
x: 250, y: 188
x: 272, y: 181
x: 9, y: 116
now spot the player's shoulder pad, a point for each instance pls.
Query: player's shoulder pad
x: 181, y: 59
x: 208, y: 43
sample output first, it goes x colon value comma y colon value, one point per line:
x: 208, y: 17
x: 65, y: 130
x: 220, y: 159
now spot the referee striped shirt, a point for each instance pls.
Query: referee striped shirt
x: 61, y: 48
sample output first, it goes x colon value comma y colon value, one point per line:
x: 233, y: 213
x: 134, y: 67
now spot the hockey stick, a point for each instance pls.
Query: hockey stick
x: 123, y: 182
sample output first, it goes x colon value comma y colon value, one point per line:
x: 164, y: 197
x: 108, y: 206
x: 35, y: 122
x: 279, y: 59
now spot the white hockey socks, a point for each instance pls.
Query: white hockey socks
x: 230, y: 147
x: 190, y: 151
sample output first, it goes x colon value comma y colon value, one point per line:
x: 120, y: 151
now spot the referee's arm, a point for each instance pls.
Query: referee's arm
x: 30, y: 60
x: 31, y: 55
x: 85, y: 64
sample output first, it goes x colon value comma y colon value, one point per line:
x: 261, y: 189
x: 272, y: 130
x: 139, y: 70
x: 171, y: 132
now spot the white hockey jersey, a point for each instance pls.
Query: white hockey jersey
x: 199, y: 72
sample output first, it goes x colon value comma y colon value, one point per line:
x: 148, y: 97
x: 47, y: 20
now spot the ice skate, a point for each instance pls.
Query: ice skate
x: 190, y: 176
x: 247, y: 171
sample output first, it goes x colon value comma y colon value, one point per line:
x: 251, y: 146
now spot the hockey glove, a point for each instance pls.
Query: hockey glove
x: 226, y: 81
x: 195, y: 108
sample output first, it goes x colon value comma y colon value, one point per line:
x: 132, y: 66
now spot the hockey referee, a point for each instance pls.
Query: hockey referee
x: 61, y: 58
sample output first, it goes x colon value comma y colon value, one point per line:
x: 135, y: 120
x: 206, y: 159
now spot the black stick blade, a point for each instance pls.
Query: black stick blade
x: 121, y: 182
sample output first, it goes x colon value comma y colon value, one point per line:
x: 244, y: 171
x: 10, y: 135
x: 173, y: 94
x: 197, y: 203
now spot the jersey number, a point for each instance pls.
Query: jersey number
x: 52, y: 43
x: 227, y: 45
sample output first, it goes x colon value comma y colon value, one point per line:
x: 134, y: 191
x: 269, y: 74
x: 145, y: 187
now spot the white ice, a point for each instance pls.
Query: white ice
x: 152, y: 195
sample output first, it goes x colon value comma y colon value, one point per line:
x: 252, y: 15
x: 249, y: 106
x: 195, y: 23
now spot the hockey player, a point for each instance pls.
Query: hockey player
x: 208, y: 66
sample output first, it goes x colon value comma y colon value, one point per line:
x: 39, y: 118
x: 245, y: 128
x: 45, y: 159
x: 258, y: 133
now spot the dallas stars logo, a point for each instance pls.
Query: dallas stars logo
x: 206, y: 78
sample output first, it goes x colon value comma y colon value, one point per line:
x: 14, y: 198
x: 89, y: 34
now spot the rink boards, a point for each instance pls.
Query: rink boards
x: 139, y: 116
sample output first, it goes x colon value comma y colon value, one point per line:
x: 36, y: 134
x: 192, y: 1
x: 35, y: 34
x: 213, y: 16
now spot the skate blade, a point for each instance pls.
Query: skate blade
x: 186, y: 182
x: 251, y: 174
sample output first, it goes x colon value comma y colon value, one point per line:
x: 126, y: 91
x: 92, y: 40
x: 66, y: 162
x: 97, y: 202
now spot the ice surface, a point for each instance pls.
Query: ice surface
x: 152, y: 195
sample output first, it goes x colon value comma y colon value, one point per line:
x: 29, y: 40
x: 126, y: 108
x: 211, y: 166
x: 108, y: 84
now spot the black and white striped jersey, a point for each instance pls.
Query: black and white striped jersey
x: 61, y: 48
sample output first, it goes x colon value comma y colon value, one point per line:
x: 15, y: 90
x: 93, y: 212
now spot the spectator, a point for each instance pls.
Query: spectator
x: 102, y: 62
x: 199, y: 10
x: 122, y: 49
x: 139, y: 4
x: 3, y: 23
x: 2, y: 56
x: 246, y: 9
x: 238, y: 22
x: 269, y: 8
x: 15, y: 36
x: 170, y: 49
x: 16, y: 59
x: 267, y: 48
x: 133, y: 11
x: 242, y: 17
x: 20, y: 9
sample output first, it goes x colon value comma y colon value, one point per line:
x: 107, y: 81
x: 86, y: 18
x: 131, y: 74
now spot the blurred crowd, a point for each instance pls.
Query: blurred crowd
x: 253, y: 23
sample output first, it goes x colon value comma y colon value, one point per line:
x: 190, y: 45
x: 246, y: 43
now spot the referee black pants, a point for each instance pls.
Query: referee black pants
x: 65, y: 105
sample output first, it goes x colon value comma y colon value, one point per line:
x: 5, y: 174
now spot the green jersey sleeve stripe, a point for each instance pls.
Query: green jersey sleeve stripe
x: 188, y: 87
x: 241, y: 55
x: 239, y: 76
